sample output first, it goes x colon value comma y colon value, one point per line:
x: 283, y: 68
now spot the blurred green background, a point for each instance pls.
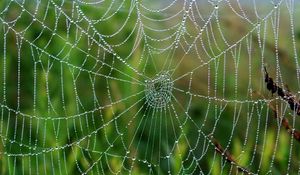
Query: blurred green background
x: 73, y: 78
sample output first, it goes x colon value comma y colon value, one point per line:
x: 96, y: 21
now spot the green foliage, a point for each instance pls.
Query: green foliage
x: 48, y: 60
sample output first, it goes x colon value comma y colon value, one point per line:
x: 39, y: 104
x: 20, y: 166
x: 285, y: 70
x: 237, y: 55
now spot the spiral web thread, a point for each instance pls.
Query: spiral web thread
x: 132, y: 87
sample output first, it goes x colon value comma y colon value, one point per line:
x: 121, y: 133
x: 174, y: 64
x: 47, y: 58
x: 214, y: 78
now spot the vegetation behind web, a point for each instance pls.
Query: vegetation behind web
x: 32, y: 85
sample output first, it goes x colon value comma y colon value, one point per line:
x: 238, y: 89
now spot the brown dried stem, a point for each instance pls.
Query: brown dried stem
x: 290, y: 99
x: 228, y: 157
x: 285, y: 123
x: 284, y: 94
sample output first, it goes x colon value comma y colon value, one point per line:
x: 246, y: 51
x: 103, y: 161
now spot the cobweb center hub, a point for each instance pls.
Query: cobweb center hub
x: 158, y: 90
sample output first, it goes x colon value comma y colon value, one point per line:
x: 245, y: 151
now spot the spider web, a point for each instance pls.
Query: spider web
x: 147, y: 87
